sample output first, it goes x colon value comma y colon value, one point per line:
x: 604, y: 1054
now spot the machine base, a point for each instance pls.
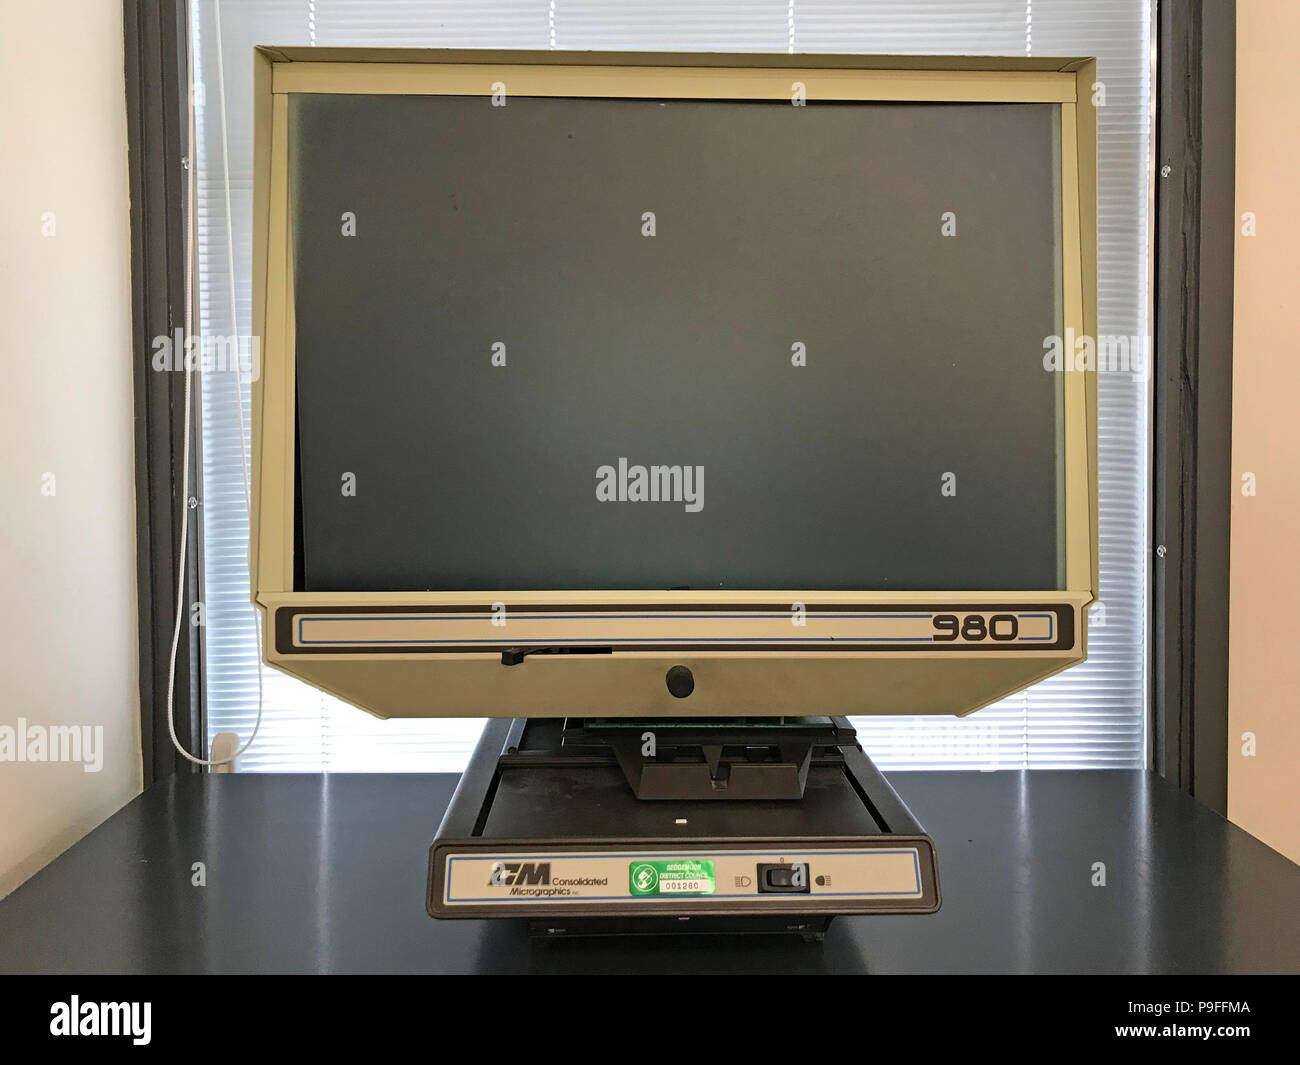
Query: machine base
x: 551, y: 830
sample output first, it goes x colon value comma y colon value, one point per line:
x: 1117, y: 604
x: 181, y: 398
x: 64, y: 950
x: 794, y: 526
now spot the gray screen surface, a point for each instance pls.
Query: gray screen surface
x: 427, y: 230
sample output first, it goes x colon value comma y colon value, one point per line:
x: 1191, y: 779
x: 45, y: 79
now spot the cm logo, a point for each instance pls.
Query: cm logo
x: 509, y: 874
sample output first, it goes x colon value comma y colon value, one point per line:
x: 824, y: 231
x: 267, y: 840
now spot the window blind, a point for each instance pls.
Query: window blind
x: 1092, y: 716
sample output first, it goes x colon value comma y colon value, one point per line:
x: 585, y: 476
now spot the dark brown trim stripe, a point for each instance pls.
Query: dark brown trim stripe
x: 1063, y: 613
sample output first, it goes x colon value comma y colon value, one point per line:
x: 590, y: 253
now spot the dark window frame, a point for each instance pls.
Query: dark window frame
x: 1191, y: 519
x: 157, y: 102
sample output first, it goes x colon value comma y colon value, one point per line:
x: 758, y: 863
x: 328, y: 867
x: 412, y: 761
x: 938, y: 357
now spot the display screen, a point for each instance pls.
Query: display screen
x: 588, y: 344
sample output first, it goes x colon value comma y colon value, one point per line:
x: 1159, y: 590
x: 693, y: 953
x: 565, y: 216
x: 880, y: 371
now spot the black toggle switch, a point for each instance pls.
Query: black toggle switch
x: 785, y: 878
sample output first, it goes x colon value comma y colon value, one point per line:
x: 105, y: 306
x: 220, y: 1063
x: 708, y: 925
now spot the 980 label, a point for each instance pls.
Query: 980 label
x: 973, y: 628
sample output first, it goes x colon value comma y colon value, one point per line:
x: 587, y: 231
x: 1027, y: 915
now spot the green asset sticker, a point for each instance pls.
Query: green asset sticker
x: 680, y: 876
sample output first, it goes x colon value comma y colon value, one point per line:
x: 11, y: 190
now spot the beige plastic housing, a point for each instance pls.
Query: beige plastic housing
x: 752, y: 653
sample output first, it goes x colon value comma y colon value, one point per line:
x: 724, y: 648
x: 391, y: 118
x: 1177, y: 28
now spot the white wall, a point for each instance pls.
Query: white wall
x: 67, y: 560
x: 1263, y: 630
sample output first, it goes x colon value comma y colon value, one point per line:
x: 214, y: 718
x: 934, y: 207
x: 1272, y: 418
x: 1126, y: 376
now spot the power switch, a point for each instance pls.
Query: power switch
x: 786, y: 878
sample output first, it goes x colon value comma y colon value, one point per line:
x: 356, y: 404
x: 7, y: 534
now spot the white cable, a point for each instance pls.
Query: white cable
x: 239, y: 392
x: 239, y: 407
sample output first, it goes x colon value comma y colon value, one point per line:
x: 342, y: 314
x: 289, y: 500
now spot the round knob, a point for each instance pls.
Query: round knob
x: 680, y: 682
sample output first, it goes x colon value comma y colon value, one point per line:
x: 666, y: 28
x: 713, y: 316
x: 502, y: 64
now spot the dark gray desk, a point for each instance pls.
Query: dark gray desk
x: 310, y: 873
